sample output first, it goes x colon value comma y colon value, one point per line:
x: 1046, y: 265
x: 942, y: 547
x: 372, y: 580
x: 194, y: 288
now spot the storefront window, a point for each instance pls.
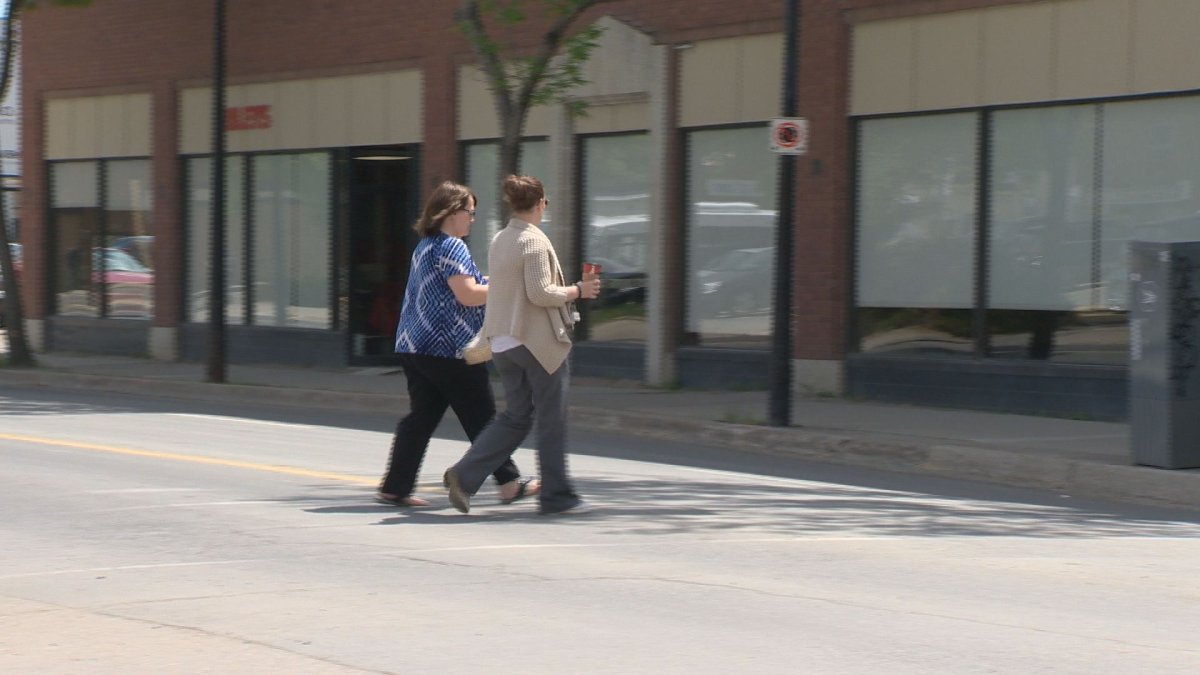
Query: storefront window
x: 731, y: 221
x: 1151, y: 182
x: 292, y: 240
x: 128, y: 263
x: 616, y: 221
x: 1045, y: 299
x: 76, y: 214
x: 482, y: 162
x: 199, y: 214
x: 917, y: 192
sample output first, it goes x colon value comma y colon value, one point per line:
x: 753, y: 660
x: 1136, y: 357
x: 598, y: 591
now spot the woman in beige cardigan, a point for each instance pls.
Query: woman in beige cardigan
x: 528, y: 321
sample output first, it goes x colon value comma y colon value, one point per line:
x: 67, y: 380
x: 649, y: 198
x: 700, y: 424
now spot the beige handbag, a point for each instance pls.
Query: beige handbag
x: 478, y: 350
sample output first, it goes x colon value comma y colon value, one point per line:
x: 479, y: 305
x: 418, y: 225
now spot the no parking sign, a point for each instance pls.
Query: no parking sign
x: 789, y: 135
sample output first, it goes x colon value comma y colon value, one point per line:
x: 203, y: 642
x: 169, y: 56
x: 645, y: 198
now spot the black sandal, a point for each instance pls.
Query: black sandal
x: 522, y: 491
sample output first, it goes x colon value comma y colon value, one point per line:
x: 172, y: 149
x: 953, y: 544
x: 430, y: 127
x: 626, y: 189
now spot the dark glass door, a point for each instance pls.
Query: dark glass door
x: 383, y: 205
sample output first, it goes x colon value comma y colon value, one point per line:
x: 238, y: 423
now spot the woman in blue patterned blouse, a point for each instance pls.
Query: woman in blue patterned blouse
x: 442, y: 311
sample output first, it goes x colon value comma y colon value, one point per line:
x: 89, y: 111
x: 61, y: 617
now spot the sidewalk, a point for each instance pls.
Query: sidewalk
x: 1087, y: 459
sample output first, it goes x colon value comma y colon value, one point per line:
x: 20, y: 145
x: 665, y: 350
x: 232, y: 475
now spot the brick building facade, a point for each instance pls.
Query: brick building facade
x: 934, y: 262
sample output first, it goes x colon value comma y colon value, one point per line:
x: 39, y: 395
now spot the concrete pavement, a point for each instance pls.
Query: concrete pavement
x: 1076, y: 457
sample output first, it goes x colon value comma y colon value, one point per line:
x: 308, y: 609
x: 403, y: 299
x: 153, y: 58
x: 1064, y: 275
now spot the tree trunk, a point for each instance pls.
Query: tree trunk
x: 509, y: 161
x: 14, y: 315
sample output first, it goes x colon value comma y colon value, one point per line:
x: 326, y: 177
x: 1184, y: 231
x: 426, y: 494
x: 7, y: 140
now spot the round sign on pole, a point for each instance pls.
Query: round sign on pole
x: 789, y: 135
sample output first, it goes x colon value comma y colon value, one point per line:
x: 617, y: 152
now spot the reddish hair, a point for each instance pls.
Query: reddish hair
x: 523, y: 192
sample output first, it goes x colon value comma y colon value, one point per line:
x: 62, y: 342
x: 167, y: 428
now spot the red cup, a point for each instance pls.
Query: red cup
x: 591, y: 271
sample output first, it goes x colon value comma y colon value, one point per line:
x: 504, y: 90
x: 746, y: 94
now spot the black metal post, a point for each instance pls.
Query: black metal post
x: 780, y: 413
x: 216, y: 295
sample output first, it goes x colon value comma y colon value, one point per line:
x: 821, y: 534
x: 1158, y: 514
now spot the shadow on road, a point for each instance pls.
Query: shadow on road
x: 665, y: 507
x: 815, y: 497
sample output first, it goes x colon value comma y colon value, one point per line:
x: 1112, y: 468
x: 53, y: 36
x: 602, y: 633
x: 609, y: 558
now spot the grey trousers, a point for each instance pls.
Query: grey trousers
x: 529, y: 392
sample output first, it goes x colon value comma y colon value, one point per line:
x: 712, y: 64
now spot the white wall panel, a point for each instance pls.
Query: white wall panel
x: 98, y: 126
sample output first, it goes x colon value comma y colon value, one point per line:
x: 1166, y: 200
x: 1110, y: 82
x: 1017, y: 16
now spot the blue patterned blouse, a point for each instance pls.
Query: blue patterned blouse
x: 432, y: 321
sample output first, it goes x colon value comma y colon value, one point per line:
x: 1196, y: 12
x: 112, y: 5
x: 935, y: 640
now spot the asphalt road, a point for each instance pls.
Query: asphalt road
x: 154, y: 536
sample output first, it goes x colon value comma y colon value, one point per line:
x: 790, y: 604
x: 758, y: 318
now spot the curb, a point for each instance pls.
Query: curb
x: 1134, y: 484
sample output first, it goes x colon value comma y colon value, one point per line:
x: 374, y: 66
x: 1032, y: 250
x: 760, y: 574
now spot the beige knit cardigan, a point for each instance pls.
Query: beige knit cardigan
x: 527, y: 296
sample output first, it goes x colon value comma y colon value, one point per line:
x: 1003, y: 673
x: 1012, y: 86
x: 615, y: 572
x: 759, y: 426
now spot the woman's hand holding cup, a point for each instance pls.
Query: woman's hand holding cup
x: 589, y: 287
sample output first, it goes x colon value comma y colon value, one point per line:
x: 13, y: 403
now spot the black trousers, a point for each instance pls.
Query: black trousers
x: 435, y: 383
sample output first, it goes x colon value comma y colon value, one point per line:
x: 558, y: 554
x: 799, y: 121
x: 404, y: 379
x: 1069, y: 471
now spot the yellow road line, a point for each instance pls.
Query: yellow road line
x: 196, y: 459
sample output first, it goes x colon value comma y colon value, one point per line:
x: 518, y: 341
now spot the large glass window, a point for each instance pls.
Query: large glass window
x: 917, y: 194
x: 199, y: 212
x: 128, y: 261
x: 1151, y: 182
x: 292, y: 240
x: 482, y: 163
x: 103, y: 242
x: 1069, y: 187
x: 1045, y: 299
x: 731, y: 220
x: 77, y: 216
x: 616, y: 221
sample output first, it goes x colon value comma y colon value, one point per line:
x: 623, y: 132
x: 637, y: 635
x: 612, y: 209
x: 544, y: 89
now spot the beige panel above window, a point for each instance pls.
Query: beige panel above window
x: 710, y: 89
x: 731, y: 80
x: 477, y: 110
x: 195, y: 111
x: 947, y: 65
x: 1166, y: 51
x: 1017, y: 70
x: 59, y: 133
x: 1025, y: 52
x: 324, y: 112
x: 330, y: 106
x: 760, y: 77
x: 299, y: 124
x: 709, y: 86
x: 91, y: 127
x: 882, y: 57
x: 107, y: 142
x: 619, y: 117
x: 404, y: 119
x: 1094, y: 48
x: 368, y: 110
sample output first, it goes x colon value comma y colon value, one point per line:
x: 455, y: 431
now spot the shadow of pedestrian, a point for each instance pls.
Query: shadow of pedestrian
x: 656, y: 507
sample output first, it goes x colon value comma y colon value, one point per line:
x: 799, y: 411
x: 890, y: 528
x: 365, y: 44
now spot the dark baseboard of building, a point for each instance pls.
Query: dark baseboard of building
x: 1022, y: 387
x: 609, y: 360
x: 728, y: 369
x: 698, y: 367
x: 110, y: 337
x: 269, y: 345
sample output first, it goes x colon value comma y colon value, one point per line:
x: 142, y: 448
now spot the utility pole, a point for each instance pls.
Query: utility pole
x: 780, y: 404
x: 216, y: 293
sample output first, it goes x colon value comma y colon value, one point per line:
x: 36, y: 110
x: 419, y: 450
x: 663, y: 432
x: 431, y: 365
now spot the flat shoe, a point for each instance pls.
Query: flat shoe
x: 403, y: 502
x: 523, y: 491
x: 459, y: 498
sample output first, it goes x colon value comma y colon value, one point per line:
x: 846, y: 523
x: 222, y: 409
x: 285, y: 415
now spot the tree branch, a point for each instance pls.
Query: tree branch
x: 550, y: 44
x: 471, y: 22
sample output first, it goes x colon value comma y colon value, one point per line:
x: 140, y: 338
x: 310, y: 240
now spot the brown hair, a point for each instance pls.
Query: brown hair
x: 523, y: 192
x: 446, y: 200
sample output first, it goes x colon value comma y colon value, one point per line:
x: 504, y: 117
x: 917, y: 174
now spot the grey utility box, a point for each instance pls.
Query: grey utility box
x: 1164, y: 353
